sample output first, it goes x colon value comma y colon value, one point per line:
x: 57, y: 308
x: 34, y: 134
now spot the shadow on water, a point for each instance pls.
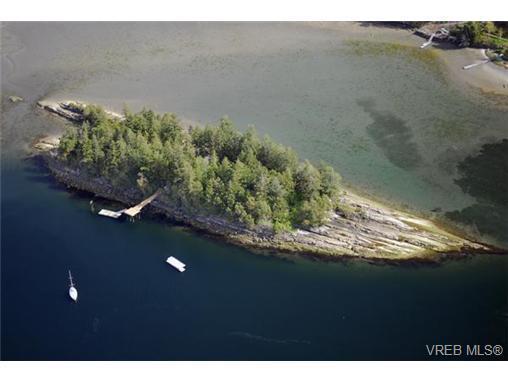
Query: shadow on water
x: 392, y: 135
x: 37, y: 172
x: 484, y: 176
x: 487, y: 219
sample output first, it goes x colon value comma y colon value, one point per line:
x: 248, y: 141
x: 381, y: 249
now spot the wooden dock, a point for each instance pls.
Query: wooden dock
x: 467, y: 67
x: 133, y: 211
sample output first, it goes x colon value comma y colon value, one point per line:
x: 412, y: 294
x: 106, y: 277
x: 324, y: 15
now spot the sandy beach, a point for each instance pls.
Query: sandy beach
x: 489, y: 78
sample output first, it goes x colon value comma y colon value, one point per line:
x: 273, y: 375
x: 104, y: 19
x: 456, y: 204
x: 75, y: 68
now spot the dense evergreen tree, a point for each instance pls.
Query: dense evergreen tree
x: 215, y: 170
x: 68, y: 142
x: 94, y: 115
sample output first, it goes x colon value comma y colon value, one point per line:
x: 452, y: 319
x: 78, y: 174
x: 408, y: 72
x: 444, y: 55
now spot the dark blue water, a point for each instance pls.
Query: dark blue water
x: 230, y: 304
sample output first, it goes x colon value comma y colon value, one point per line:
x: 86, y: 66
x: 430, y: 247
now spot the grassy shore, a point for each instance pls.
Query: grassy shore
x: 376, y: 38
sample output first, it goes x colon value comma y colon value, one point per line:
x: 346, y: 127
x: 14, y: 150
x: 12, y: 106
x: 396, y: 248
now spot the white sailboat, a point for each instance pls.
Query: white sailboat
x: 73, y: 293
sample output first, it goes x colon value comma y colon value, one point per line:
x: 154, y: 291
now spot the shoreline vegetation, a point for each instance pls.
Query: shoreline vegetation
x: 488, y: 35
x: 248, y: 190
x: 449, y: 57
x: 428, y: 58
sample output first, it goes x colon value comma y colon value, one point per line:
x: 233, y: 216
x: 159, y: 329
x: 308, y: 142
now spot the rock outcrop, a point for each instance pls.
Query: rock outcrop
x: 361, y: 228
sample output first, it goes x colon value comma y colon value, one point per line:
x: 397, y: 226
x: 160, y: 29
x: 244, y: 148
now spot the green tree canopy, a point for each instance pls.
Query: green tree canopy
x: 215, y: 170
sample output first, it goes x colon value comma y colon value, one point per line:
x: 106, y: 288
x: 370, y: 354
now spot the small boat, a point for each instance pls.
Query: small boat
x: 180, y: 266
x: 73, y: 293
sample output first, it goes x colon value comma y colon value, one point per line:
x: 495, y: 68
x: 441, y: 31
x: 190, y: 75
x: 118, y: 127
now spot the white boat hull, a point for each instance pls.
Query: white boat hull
x: 73, y: 293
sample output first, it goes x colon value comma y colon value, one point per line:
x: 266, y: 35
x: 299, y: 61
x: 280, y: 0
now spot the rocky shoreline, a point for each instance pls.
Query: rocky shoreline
x: 361, y: 229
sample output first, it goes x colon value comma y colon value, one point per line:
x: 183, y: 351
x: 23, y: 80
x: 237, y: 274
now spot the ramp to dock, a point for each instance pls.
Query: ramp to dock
x: 467, y: 67
x: 133, y: 211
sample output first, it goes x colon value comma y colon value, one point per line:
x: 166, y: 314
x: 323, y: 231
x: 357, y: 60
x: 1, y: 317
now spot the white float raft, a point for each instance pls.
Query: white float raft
x: 110, y: 213
x: 180, y: 266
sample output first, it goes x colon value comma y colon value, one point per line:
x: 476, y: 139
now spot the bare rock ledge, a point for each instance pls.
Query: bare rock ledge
x: 372, y: 231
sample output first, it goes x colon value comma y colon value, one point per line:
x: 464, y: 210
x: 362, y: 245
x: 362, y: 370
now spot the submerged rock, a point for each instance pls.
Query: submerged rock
x: 15, y: 99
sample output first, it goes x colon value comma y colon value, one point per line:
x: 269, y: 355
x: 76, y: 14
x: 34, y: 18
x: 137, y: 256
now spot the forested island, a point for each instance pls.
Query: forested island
x: 215, y: 169
x: 247, y: 189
